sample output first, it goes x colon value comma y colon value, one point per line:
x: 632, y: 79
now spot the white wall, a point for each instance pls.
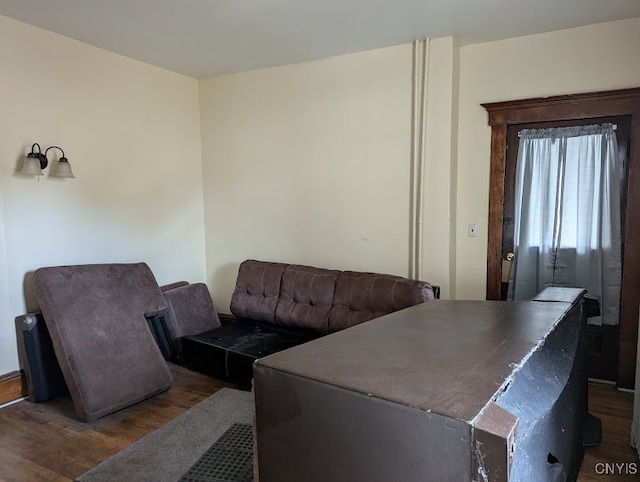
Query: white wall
x: 132, y: 134
x: 586, y: 59
x: 308, y: 163
x: 303, y: 162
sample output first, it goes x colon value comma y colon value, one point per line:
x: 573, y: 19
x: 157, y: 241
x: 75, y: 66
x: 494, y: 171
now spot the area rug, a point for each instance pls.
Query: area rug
x: 166, y: 454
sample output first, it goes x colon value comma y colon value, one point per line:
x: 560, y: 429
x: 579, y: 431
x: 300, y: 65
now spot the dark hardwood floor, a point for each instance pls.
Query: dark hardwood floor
x: 615, y: 409
x: 43, y: 442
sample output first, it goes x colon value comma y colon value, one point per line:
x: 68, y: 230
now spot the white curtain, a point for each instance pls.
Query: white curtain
x: 567, y: 215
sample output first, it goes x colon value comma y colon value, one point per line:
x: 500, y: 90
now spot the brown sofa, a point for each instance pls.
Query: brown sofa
x: 111, y: 325
x: 279, y: 305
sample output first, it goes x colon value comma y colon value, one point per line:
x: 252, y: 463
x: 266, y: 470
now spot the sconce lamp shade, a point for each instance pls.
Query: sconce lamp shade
x: 63, y: 169
x: 35, y: 162
x: 31, y: 166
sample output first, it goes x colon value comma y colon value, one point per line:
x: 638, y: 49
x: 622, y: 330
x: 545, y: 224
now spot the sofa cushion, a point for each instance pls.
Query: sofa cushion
x: 95, y: 315
x: 306, y: 296
x: 190, y: 311
x: 361, y: 297
x: 257, y: 289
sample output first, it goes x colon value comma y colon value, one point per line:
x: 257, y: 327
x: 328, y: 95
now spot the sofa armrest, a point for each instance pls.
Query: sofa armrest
x: 360, y: 297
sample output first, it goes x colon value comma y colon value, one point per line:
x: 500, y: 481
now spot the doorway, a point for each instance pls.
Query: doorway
x: 615, y: 348
x: 602, y: 337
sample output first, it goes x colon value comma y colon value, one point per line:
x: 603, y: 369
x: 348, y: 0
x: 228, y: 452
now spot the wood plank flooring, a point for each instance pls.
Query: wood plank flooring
x: 43, y: 442
x: 615, y: 409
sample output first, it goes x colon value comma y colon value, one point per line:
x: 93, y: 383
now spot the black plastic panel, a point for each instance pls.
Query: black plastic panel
x: 38, y: 360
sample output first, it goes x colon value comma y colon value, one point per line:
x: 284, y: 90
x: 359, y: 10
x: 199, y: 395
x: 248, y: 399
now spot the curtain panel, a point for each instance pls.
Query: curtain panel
x: 567, y: 215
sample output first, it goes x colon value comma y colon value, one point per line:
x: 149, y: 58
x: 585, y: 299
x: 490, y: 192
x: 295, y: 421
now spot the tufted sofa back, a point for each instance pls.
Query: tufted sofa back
x: 306, y: 297
x: 257, y: 290
x: 318, y: 299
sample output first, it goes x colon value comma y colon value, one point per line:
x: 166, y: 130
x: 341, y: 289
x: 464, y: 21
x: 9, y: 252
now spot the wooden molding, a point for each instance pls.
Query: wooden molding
x: 12, y: 387
x: 630, y: 297
x: 226, y: 318
x: 565, y: 107
x: 496, y: 211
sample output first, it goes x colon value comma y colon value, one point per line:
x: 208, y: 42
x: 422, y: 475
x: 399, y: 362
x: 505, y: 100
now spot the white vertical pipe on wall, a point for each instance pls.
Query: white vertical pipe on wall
x: 426, y: 43
x: 419, y: 113
x: 415, y: 145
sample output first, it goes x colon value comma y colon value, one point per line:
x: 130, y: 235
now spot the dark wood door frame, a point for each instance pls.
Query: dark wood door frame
x: 573, y: 107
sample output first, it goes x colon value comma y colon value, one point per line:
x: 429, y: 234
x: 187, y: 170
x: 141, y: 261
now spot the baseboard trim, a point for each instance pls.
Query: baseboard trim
x: 226, y: 319
x: 12, y: 387
x: 602, y: 381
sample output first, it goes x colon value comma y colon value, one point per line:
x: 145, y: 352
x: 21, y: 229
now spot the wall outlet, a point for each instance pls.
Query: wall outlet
x: 472, y: 230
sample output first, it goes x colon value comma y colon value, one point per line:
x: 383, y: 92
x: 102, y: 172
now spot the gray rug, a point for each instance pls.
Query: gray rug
x: 168, y: 453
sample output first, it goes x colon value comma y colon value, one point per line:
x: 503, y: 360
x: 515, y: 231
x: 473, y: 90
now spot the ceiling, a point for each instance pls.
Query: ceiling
x: 203, y: 38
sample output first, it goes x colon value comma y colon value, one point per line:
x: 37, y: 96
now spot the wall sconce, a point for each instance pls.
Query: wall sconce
x: 35, y: 162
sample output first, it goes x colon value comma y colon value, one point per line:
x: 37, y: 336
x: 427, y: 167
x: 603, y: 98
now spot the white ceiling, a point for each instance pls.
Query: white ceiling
x: 202, y: 38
